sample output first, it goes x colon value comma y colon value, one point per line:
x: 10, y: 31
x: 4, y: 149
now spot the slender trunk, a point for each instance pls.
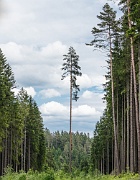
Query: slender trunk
x: 116, y: 150
x: 21, y: 152
x: 2, y: 162
x: 117, y: 115
x: 29, y: 157
x: 107, y: 157
x: 135, y: 148
x: 11, y: 147
x: 71, y: 118
x: 112, y: 154
x: 24, y: 156
x: 128, y: 130
x: 131, y: 126
x: 135, y: 87
x: 5, y: 151
x: 124, y: 134
x: 122, y: 141
x: 103, y: 161
x: 101, y: 166
x: 16, y: 161
x: 139, y: 75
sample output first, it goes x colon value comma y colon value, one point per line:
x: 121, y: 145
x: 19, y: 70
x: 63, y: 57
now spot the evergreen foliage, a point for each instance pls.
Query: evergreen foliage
x: 22, y: 141
x: 123, y: 79
x: 58, y: 151
x: 71, y: 69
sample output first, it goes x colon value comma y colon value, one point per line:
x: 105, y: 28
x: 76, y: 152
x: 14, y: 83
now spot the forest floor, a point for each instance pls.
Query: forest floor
x: 61, y: 176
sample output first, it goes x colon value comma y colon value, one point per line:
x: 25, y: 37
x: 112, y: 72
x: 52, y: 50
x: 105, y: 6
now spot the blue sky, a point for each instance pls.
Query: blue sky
x: 34, y: 36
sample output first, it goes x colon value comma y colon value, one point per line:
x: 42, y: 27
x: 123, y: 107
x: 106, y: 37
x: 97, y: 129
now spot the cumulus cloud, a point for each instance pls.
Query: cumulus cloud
x: 57, y: 109
x: 31, y: 54
x: 87, y: 95
x: 49, y: 93
x: 53, y: 109
x: 84, y: 81
x: 53, y: 50
x: 31, y: 91
x: 85, y: 110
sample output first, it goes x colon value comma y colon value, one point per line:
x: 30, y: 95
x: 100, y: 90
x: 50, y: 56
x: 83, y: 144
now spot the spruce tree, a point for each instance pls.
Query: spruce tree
x: 7, y: 83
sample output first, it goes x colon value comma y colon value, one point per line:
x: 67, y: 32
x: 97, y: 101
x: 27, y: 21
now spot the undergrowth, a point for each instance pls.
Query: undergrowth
x: 60, y: 175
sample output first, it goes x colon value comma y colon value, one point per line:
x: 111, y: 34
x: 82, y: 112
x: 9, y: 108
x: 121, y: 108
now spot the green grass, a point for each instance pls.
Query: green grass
x: 50, y: 175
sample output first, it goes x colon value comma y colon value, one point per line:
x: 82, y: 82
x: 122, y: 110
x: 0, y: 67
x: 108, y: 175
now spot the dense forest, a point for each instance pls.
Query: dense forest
x: 115, y: 147
x: 57, y: 144
x: 22, y: 142
x: 116, y: 143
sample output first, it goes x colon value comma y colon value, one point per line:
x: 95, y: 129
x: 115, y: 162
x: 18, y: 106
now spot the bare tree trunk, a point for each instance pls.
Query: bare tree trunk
x: 21, y: 152
x: 139, y: 75
x: 2, y: 167
x: 5, y: 150
x: 29, y: 157
x: 101, y: 166
x: 103, y: 161
x: 124, y: 135
x: 71, y: 119
x: 16, y: 161
x: 131, y: 126
x: 135, y: 87
x: 11, y: 147
x: 128, y: 130
x: 107, y: 157
x: 113, y: 154
x: 116, y: 150
x: 24, y: 156
x: 122, y: 141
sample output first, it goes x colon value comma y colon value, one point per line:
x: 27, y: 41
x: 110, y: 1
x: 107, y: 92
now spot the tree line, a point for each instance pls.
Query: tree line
x: 22, y: 140
x: 116, y: 142
x: 58, y: 151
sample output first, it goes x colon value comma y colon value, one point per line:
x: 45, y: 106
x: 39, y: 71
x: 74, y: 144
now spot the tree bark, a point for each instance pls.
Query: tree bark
x: 131, y: 126
x: 135, y: 86
x: 70, y: 166
x: 116, y: 150
x: 24, y: 156
x: 108, y: 157
x: 128, y: 129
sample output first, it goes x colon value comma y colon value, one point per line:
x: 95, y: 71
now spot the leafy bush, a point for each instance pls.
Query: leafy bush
x: 22, y: 177
x: 61, y: 175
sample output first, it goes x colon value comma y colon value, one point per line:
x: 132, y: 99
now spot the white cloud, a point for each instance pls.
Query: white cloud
x: 49, y: 93
x: 54, y: 50
x: 85, y: 81
x: 53, y: 109
x: 30, y: 91
x: 57, y: 109
x: 87, y: 95
x: 85, y: 110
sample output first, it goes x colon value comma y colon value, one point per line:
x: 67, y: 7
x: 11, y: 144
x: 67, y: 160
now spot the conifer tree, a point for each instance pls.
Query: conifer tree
x: 7, y: 83
x: 71, y: 69
x: 104, y: 36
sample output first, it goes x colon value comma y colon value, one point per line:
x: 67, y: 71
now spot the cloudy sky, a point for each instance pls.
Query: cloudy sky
x: 34, y: 36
